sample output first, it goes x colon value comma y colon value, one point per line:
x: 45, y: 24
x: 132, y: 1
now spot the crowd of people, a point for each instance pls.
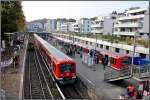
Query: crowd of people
x: 133, y: 93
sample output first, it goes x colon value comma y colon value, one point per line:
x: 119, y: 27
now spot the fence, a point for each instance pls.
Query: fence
x: 114, y: 74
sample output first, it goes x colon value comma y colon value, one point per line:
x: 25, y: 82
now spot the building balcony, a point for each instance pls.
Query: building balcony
x: 97, y: 31
x: 129, y: 25
x: 125, y: 33
x: 97, y: 25
x: 131, y: 17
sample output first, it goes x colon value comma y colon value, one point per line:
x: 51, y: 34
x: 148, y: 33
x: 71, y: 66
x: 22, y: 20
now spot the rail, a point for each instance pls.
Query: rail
x: 141, y: 72
x: 58, y: 88
x: 113, y: 74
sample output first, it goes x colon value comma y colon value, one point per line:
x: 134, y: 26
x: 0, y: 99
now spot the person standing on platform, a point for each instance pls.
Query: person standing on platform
x: 103, y: 63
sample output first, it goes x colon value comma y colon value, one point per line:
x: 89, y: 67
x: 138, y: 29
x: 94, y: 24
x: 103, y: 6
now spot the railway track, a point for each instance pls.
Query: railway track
x: 70, y: 91
x: 39, y: 83
x: 36, y: 84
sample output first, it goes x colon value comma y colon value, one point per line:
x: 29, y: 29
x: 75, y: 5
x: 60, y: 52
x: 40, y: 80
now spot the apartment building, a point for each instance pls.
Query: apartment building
x: 75, y: 27
x: 97, y: 25
x: 130, y: 22
x: 109, y: 24
x: 145, y: 30
x: 50, y: 25
x: 85, y: 25
x: 34, y: 27
x: 65, y: 25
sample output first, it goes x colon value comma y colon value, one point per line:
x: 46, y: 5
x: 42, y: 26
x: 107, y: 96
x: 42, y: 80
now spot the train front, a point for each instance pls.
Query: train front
x: 67, y: 73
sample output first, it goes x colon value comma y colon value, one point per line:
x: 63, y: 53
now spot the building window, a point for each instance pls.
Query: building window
x: 117, y: 50
x: 101, y: 46
x: 107, y: 47
x: 127, y: 51
x: 78, y: 40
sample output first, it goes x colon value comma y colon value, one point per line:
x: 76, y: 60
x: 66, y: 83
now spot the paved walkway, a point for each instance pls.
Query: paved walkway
x: 95, y: 76
x: 11, y: 78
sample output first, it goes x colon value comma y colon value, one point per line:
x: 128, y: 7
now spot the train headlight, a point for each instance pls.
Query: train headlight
x: 61, y: 74
x: 73, y: 74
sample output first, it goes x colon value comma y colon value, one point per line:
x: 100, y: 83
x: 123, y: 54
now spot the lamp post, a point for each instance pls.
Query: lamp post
x: 95, y: 41
x: 134, y: 46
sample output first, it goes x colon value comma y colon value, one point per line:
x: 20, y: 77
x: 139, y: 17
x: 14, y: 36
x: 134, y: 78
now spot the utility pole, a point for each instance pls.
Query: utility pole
x: 95, y: 41
x: 134, y: 46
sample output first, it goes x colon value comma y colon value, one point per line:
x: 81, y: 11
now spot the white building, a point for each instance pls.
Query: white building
x: 75, y: 27
x: 145, y: 29
x: 130, y: 22
x: 35, y: 26
x: 50, y: 26
x: 109, y: 24
x: 97, y: 26
x: 85, y: 25
x: 70, y: 26
x: 58, y: 27
x: 64, y: 27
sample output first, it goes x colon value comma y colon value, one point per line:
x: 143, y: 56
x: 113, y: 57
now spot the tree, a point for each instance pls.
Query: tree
x: 12, y: 16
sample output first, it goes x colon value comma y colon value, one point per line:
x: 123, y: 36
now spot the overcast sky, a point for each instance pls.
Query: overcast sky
x: 75, y: 9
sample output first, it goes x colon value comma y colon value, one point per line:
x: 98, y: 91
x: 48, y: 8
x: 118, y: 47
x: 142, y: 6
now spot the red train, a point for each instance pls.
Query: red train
x: 117, y: 61
x: 63, y: 67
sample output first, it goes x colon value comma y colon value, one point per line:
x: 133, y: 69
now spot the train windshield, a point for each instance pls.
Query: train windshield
x: 112, y: 60
x: 67, y: 68
x: 126, y: 61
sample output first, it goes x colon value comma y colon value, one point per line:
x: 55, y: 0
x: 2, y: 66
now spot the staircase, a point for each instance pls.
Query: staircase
x: 114, y: 75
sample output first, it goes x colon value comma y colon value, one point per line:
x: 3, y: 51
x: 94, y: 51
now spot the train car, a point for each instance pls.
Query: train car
x: 63, y: 67
x: 117, y: 61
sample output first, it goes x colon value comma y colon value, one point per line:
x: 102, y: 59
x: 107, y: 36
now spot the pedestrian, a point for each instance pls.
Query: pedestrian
x: 140, y: 89
x: 103, y: 63
x: 131, y: 91
x: 134, y: 94
x: 146, y: 95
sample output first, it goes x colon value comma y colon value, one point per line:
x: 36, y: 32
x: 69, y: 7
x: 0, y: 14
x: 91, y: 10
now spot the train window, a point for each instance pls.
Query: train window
x: 53, y: 66
x: 117, y: 50
x: 67, y: 68
x: 90, y: 43
x: 82, y: 41
x: 86, y: 42
x: 101, y: 46
x: 127, y: 51
x: 107, y: 47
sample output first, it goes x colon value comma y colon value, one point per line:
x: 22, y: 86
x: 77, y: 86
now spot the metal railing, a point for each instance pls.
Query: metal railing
x: 114, y: 74
x: 141, y: 72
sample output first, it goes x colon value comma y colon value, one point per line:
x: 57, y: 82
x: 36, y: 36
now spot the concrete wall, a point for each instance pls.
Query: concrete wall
x: 146, y: 22
x: 108, y: 26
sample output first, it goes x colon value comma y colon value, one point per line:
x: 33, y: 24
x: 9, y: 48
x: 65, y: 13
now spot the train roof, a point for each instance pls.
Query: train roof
x: 112, y: 54
x: 52, y: 50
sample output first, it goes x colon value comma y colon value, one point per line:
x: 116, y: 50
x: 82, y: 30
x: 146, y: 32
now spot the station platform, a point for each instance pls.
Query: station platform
x: 95, y: 76
x: 12, y: 77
